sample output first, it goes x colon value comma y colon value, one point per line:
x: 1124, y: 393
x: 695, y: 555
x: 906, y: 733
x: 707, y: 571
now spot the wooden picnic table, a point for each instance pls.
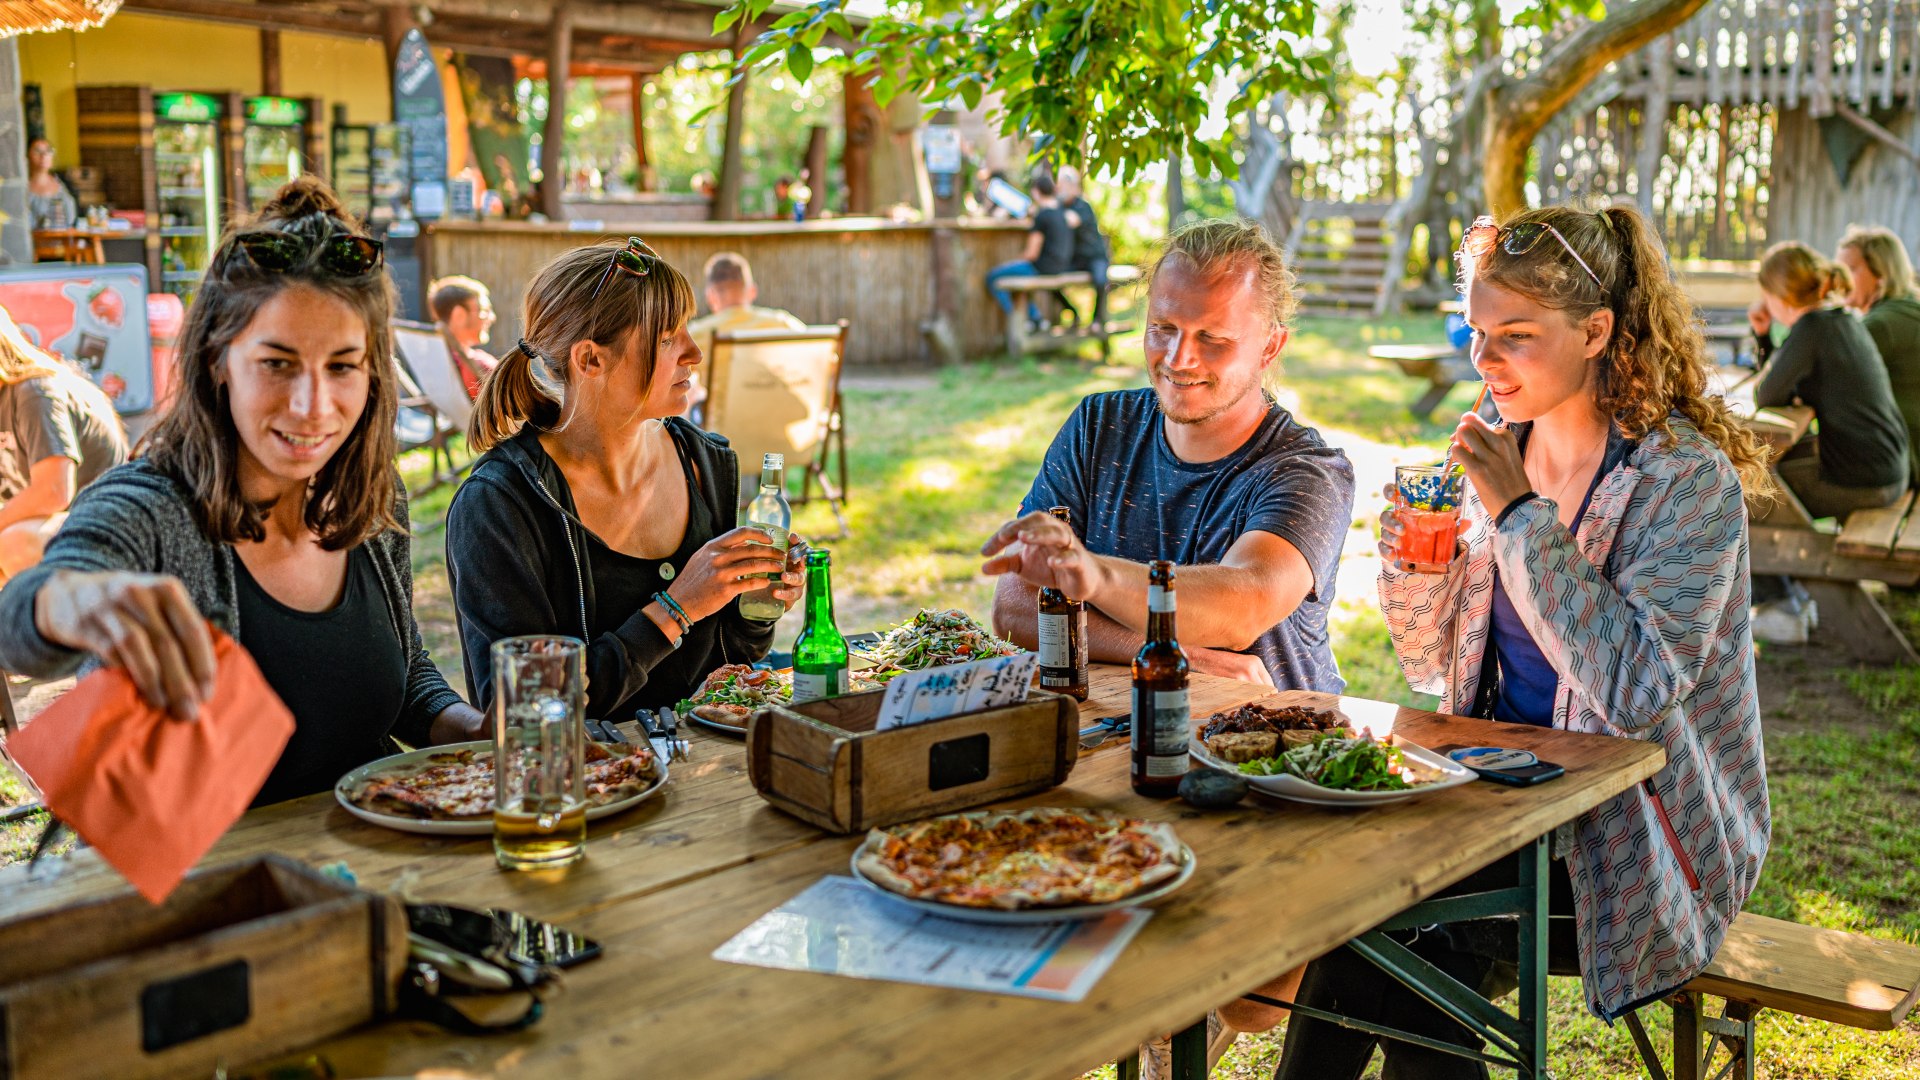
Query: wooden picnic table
x: 1781, y: 426
x: 663, y: 886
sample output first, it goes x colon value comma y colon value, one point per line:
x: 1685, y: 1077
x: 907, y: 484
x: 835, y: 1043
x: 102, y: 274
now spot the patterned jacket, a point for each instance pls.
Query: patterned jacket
x: 1643, y: 616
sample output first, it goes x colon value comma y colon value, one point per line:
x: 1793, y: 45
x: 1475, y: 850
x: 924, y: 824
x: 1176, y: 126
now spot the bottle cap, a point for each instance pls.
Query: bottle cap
x: 774, y: 461
x: 819, y: 557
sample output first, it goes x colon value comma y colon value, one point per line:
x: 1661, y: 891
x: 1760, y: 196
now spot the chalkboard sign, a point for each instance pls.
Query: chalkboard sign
x: 420, y: 106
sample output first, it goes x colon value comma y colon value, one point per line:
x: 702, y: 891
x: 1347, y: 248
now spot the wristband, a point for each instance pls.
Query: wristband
x: 678, y: 613
x: 1512, y: 506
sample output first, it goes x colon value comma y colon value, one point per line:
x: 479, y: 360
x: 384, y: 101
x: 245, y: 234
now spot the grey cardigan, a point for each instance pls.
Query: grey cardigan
x: 137, y: 518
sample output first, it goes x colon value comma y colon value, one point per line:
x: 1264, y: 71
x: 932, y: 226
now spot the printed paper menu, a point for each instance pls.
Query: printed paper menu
x: 936, y: 693
x: 841, y: 927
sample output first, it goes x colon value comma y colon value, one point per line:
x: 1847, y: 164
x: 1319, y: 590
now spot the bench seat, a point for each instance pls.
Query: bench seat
x: 1831, y: 975
x: 1123, y: 274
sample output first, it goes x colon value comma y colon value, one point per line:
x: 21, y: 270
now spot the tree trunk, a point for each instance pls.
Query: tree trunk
x: 553, y: 145
x: 1518, y: 112
x: 726, y: 191
x: 1176, y: 192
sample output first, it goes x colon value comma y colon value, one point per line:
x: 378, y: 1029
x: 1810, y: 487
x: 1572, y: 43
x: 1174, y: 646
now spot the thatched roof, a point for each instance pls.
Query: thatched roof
x: 28, y: 16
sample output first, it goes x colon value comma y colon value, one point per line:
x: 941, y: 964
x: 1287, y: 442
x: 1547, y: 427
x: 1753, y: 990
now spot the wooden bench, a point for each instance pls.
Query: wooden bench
x: 1021, y: 340
x: 1441, y: 365
x: 1830, y: 975
x: 1881, y: 544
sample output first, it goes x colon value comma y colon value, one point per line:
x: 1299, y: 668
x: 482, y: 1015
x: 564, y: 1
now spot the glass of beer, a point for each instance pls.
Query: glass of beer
x: 1427, y: 502
x: 539, y: 736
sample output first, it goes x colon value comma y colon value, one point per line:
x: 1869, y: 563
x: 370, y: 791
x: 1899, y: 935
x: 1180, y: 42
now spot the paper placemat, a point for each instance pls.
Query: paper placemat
x: 841, y: 927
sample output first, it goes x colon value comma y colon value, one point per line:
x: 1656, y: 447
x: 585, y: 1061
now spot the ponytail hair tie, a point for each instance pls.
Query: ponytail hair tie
x: 531, y: 352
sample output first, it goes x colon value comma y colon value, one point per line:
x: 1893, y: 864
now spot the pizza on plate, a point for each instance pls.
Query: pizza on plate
x: 732, y: 692
x: 457, y: 785
x: 1033, y: 858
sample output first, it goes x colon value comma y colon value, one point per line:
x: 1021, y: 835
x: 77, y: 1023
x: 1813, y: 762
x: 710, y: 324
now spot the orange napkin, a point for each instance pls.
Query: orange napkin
x: 151, y: 792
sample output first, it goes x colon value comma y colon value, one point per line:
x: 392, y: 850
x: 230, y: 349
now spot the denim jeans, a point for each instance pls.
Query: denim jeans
x: 1017, y: 268
x: 1097, y: 270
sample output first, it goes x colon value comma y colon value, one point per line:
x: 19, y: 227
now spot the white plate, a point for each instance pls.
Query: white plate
x: 1032, y: 915
x: 1452, y: 774
x: 716, y: 727
x: 473, y: 827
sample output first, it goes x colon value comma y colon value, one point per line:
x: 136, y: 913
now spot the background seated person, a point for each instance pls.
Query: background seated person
x: 266, y: 500
x: 1089, y: 244
x: 463, y: 309
x: 730, y: 293
x: 1829, y: 361
x: 49, y: 204
x: 1202, y: 468
x: 58, y: 432
x: 1884, y: 295
x: 1049, y: 250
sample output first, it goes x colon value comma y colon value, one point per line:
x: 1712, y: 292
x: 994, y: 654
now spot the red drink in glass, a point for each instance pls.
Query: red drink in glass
x: 1427, y: 504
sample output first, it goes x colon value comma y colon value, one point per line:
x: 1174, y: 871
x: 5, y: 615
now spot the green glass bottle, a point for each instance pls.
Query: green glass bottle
x: 820, y: 654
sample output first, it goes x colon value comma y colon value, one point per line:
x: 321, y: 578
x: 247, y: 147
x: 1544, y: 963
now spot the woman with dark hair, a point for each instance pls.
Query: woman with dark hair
x: 265, y: 500
x: 596, y: 511
x: 1600, y: 586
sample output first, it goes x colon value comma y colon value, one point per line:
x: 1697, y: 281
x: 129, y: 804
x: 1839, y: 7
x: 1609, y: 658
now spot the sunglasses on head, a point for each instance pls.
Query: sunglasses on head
x: 1519, y: 239
x: 636, y: 259
x: 342, y: 254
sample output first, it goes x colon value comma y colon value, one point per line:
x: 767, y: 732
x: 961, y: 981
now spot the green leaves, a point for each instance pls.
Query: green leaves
x: 1113, y: 84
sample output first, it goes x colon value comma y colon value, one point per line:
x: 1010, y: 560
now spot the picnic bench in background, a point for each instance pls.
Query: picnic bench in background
x: 1021, y: 340
x: 1441, y: 365
x: 1831, y: 975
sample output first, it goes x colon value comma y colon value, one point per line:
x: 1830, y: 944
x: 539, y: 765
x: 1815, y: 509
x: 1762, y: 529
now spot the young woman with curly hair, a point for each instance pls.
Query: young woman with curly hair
x: 265, y: 501
x: 1600, y: 586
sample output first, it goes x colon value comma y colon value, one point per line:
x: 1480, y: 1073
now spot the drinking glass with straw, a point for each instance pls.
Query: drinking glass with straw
x: 1427, y: 501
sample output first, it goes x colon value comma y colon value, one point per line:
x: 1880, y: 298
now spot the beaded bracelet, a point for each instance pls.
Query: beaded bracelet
x: 674, y: 609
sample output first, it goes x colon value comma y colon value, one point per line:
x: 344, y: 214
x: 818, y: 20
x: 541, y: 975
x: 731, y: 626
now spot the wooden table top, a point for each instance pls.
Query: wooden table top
x: 1780, y: 426
x: 663, y: 886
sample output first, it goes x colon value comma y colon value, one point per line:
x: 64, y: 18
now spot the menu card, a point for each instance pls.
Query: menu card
x: 841, y: 927
x: 937, y: 693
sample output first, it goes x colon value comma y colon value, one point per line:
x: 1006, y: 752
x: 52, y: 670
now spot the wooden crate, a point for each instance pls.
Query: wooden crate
x: 242, y: 962
x: 824, y: 763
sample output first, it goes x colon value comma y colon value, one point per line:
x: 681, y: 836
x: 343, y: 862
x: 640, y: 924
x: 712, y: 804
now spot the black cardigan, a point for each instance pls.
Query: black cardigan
x: 519, y: 562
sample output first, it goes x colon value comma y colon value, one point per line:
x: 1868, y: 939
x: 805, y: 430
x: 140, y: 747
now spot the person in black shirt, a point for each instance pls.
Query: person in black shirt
x: 1049, y: 249
x: 1089, y: 246
x: 596, y: 511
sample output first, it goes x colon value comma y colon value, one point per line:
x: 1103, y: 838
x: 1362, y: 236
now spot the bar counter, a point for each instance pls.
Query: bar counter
x: 877, y: 274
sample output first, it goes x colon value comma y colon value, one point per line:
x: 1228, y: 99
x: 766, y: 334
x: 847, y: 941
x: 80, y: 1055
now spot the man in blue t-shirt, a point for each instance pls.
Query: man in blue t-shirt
x: 1202, y: 468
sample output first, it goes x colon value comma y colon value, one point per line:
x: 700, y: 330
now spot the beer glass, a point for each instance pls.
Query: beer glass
x: 540, y: 805
x: 1427, y: 502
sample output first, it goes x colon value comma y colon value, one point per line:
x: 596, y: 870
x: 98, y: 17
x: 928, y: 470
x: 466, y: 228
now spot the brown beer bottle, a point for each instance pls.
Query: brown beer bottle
x: 1160, y: 711
x: 1063, y: 637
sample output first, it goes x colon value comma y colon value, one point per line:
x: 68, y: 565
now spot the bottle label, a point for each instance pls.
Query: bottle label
x: 1159, y: 599
x: 1055, y: 642
x: 1166, y: 766
x: 812, y: 686
x: 1163, y: 717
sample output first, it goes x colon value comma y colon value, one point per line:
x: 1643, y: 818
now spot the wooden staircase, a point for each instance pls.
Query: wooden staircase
x: 1345, y: 258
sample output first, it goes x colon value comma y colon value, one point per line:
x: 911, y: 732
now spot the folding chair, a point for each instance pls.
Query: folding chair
x: 778, y: 391
x: 433, y: 390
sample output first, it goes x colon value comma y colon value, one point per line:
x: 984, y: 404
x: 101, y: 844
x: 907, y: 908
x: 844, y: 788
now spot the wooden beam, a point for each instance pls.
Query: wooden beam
x: 337, y: 21
x: 643, y: 169
x: 394, y: 24
x: 682, y: 23
x: 726, y: 195
x: 553, y: 182
x: 270, y: 63
x: 1867, y: 124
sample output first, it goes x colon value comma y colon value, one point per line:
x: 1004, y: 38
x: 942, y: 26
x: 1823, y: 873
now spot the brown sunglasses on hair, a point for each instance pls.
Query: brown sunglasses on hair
x: 636, y: 259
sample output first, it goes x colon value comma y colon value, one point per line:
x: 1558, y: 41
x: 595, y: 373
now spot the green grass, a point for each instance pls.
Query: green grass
x: 939, y: 459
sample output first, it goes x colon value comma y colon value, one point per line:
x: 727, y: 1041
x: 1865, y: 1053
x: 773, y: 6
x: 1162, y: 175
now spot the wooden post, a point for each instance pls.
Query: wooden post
x: 817, y: 171
x: 1653, y: 120
x: 553, y: 184
x: 396, y: 21
x: 863, y: 126
x: 270, y: 63
x: 643, y: 169
x: 1176, y: 191
x: 726, y: 193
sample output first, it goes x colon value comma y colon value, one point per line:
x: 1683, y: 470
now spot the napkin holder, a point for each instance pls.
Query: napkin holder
x: 243, y: 961
x: 824, y: 763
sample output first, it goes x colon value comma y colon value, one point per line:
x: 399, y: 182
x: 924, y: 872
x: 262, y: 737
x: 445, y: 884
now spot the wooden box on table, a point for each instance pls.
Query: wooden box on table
x: 824, y: 763
x: 242, y: 962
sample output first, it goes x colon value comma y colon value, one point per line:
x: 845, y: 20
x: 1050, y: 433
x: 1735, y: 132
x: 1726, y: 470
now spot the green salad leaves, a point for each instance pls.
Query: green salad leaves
x: 1337, y: 761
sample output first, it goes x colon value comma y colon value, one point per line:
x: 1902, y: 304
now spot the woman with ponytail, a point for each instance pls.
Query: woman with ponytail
x: 1829, y: 361
x: 596, y: 511
x: 1600, y: 586
x: 1888, y: 301
x: 264, y: 500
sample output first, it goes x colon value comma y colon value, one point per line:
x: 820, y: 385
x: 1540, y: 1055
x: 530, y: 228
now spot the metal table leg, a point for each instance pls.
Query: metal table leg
x: 1520, y: 1042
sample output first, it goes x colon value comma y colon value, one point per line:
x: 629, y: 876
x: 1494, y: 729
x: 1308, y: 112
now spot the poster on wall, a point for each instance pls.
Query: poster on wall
x: 420, y: 106
x: 94, y: 317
